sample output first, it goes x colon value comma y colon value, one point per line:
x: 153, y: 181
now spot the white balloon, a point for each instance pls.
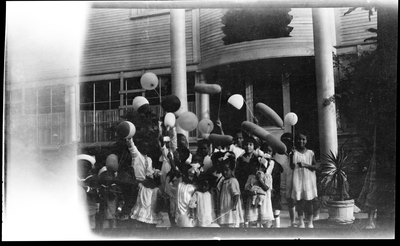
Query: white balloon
x: 149, y: 81
x: 291, y: 119
x: 169, y: 119
x: 205, y: 126
x: 236, y: 101
x: 139, y: 101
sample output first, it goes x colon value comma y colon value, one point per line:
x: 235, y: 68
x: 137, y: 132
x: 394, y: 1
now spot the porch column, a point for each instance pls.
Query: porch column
x: 202, y: 101
x: 71, y: 113
x: 325, y: 81
x: 178, y: 61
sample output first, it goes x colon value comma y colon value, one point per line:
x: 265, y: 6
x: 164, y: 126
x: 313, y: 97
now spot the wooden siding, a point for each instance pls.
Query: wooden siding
x: 353, y: 26
x: 115, y: 42
x: 214, y: 51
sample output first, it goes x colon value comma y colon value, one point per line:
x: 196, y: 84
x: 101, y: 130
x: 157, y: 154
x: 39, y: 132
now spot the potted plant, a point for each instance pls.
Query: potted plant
x: 334, y: 184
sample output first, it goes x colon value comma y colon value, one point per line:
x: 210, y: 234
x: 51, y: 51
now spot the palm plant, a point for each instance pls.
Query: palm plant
x: 334, y: 180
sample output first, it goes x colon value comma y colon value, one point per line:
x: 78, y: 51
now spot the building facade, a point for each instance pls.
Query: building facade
x: 122, y: 44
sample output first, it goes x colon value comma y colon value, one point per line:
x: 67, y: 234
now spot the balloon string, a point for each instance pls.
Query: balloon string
x: 219, y: 105
x: 249, y: 109
x: 159, y: 112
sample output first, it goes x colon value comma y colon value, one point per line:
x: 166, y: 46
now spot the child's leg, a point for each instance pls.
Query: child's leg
x: 308, y: 208
x: 300, y: 213
x: 253, y: 199
x: 277, y: 218
x: 261, y: 198
x: 291, y: 209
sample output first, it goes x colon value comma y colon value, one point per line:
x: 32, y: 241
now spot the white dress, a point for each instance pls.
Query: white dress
x: 230, y: 188
x: 304, y: 180
x: 204, y: 207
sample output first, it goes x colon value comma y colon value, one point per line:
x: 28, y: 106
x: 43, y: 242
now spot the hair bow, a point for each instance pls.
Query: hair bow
x: 195, y: 169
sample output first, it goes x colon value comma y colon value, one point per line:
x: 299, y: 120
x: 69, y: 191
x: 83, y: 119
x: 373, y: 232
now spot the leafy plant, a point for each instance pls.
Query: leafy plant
x: 334, y: 181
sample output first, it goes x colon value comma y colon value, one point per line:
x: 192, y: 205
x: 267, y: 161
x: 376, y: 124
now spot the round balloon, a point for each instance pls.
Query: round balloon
x: 112, y: 163
x: 169, y: 120
x: 205, y: 126
x: 126, y: 129
x: 138, y: 102
x: 236, y: 101
x: 290, y: 119
x: 188, y: 121
x: 149, y: 81
x: 171, y: 103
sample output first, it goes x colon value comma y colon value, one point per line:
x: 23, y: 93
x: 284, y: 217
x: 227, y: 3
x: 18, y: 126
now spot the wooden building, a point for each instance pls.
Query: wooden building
x: 120, y: 45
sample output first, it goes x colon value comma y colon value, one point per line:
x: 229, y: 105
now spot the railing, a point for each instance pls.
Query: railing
x: 99, y: 126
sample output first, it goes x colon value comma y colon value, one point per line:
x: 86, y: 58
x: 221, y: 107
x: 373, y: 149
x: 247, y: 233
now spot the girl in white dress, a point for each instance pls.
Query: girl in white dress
x: 202, y: 205
x: 230, y: 204
x: 304, y: 188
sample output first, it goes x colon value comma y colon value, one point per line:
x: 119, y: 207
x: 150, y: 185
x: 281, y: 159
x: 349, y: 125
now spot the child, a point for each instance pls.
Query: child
x: 111, y: 194
x: 276, y: 171
x: 230, y: 206
x: 184, y: 192
x: 202, y: 205
x: 203, y: 155
x: 246, y: 162
x: 148, y: 205
x: 304, y: 179
x: 287, y: 175
x: 88, y: 185
x: 262, y: 213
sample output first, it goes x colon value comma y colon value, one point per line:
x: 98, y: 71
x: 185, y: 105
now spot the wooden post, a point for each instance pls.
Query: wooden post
x: 286, y: 98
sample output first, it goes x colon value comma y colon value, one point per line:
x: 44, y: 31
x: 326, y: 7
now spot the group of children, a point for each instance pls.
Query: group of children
x: 226, y: 186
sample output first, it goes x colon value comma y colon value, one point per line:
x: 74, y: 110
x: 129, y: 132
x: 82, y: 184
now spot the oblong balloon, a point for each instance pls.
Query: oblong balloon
x: 149, y: 81
x: 290, y: 119
x: 171, y: 103
x: 126, y: 129
x: 276, y: 144
x: 205, y: 126
x: 188, y: 121
x: 138, y: 102
x: 224, y: 140
x: 207, y: 88
x: 169, y: 120
x: 112, y: 162
x: 236, y: 100
x: 270, y: 114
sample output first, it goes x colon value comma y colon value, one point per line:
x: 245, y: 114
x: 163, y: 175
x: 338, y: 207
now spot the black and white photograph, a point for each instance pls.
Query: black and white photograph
x: 208, y: 120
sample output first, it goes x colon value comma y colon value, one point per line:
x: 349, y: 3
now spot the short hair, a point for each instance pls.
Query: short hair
x: 229, y: 159
x: 251, y: 140
x: 286, y: 135
x: 302, y: 132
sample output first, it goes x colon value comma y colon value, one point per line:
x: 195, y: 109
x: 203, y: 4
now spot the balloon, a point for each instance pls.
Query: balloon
x: 270, y: 114
x: 188, y: 121
x: 276, y: 144
x: 205, y: 126
x: 126, y: 129
x: 207, y: 88
x: 171, y: 103
x: 149, y: 81
x: 112, y: 163
x: 236, y: 101
x: 169, y: 120
x: 139, y: 102
x: 223, y: 140
x: 291, y: 119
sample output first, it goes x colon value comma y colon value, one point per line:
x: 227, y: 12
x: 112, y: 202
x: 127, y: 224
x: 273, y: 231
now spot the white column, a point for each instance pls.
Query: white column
x: 202, y: 101
x: 178, y: 60
x: 325, y: 80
